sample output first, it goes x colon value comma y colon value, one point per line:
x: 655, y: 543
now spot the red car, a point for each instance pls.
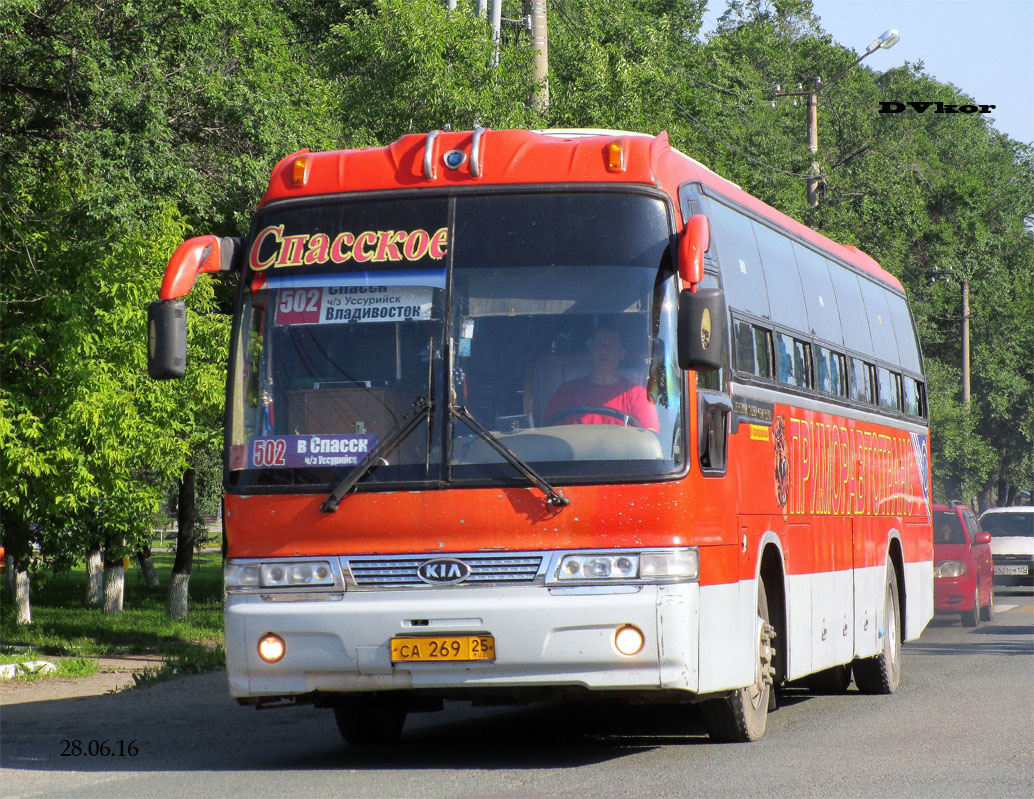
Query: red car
x: 963, y: 571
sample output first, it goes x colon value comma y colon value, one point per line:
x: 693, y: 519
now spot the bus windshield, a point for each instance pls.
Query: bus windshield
x: 547, y: 318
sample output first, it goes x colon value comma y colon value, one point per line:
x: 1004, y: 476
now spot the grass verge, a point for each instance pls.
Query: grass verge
x: 66, y: 667
x: 64, y: 624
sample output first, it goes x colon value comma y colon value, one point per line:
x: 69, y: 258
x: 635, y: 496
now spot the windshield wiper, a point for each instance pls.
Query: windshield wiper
x: 420, y: 411
x: 553, y: 497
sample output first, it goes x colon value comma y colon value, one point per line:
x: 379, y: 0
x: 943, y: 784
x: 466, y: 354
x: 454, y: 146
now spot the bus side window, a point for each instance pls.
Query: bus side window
x: 793, y: 361
x: 912, y: 397
x: 889, y: 389
x: 863, y: 381
x: 831, y: 372
x: 753, y: 349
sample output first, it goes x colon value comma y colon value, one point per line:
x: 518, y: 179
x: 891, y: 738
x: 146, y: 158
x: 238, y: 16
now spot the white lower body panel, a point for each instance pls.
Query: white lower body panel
x: 541, y: 639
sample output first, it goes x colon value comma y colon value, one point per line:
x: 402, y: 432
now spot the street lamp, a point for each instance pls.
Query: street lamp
x: 884, y: 42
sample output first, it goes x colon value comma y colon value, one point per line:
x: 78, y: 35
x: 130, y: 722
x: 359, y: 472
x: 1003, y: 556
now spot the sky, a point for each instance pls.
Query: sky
x: 983, y: 47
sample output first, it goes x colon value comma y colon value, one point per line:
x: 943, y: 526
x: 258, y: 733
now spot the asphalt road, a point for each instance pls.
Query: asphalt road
x: 961, y: 725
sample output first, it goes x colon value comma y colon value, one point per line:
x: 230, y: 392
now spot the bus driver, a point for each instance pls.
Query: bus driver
x: 603, y: 387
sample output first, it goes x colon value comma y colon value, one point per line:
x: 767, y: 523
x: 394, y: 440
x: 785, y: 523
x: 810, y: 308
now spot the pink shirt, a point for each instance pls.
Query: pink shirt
x: 621, y: 395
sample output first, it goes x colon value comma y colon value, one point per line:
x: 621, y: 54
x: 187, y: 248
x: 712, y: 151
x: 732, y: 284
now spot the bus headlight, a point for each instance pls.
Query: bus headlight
x: 278, y: 574
x: 297, y: 573
x: 628, y: 567
x: 598, y: 567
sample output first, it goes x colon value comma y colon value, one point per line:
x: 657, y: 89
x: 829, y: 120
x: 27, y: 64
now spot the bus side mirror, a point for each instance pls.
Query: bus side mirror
x: 696, y: 238
x: 701, y: 329
x: 167, y: 339
x: 201, y: 254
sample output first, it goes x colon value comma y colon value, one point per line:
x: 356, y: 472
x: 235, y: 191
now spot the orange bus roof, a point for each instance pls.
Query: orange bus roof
x: 516, y: 157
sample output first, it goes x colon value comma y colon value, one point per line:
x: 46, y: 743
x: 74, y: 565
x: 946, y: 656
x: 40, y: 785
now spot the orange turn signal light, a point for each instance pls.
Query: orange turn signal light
x: 300, y: 170
x: 616, y: 156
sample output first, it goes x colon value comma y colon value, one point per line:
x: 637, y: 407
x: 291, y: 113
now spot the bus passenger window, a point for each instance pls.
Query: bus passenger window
x: 753, y: 349
x: 793, y: 359
x: 831, y: 372
x: 912, y: 397
x: 889, y: 389
x: 863, y: 381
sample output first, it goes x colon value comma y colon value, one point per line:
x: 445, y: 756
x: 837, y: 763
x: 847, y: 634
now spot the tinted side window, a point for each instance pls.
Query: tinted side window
x: 852, y: 310
x: 904, y: 332
x: 830, y: 372
x: 732, y: 235
x: 753, y: 349
x: 785, y: 297
x: 820, y: 301
x: 881, y: 328
x: 913, y: 397
x: 889, y: 389
x: 863, y: 381
x: 793, y: 360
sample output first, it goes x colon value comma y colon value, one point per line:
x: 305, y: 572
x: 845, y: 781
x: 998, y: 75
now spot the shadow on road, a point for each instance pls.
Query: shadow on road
x: 191, y: 725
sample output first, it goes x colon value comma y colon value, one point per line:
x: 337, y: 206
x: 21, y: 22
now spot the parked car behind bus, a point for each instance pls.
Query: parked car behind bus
x: 963, y: 575
x: 1012, y: 544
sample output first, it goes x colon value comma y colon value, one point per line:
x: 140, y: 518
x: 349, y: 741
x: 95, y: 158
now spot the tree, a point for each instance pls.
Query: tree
x: 123, y: 127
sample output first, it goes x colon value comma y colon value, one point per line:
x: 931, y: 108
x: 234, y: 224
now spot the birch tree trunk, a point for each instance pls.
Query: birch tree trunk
x: 114, y: 584
x: 94, y: 576
x: 178, y: 601
x: 22, y: 606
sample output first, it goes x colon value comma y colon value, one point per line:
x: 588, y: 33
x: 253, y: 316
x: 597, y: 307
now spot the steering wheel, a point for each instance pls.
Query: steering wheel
x: 602, y: 410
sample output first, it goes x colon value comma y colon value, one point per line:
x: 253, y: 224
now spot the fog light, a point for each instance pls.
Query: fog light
x: 271, y: 647
x: 628, y: 640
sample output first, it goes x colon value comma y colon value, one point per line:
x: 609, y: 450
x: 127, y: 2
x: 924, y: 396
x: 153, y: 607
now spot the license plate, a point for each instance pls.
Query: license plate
x: 1014, y: 570
x: 434, y: 649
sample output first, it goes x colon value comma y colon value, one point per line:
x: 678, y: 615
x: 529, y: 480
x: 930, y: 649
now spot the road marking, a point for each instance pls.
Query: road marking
x: 1013, y: 608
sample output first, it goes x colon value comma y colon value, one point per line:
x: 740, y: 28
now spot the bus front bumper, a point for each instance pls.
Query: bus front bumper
x: 543, y: 638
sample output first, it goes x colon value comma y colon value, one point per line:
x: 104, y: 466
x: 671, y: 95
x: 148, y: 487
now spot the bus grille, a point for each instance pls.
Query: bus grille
x: 401, y: 571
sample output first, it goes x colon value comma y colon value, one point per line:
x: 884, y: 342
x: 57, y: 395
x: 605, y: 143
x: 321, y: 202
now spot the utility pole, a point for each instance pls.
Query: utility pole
x: 815, y: 182
x: 965, y: 341
x: 540, y: 49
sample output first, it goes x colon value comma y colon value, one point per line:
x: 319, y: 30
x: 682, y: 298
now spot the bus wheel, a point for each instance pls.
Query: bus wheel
x: 743, y: 715
x: 830, y: 681
x: 881, y: 674
x: 988, y: 613
x: 971, y: 617
x: 367, y: 724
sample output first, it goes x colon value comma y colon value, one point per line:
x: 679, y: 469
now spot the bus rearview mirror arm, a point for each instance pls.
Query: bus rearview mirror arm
x: 167, y: 318
x: 693, y: 243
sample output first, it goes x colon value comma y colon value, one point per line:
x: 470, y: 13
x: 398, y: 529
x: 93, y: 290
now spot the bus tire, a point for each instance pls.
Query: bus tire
x: 742, y: 716
x: 971, y: 617
x: 882, y: 673
x: 364, y: 724
x: 830, y: 681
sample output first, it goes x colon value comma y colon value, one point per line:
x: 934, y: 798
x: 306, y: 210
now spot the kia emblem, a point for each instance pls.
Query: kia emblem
x: 443, y: 571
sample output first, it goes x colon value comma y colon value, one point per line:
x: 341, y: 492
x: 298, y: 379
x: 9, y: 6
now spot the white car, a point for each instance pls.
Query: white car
x: 1012, y: 544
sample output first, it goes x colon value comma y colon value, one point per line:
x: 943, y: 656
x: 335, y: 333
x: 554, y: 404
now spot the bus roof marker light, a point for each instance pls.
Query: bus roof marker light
x: 300, y: 170
x: 616, y: 156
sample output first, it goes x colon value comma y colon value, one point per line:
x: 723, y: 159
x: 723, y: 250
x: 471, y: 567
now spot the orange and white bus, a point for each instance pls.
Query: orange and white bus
x: 516, y: 415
